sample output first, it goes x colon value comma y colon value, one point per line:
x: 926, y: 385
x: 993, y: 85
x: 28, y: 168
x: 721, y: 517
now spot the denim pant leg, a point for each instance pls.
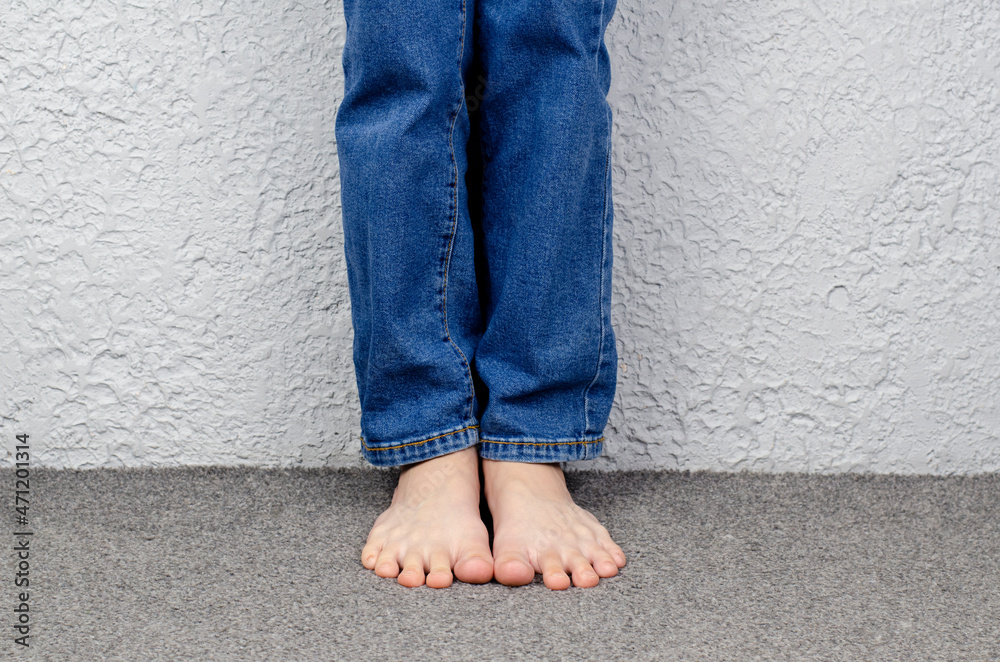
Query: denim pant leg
x: 401, y: 131
x: 547, y: 355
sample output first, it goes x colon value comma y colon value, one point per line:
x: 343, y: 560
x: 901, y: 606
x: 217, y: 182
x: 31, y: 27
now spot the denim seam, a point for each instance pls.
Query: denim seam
x: 600, y: 30
x: 415, y: 443
x: 604, y: 219
x: 542, y: 443
x: 454, y: 225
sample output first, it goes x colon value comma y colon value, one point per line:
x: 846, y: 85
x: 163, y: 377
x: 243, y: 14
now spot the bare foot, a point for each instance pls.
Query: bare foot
x: 433, y: 525
x: 538, y: 529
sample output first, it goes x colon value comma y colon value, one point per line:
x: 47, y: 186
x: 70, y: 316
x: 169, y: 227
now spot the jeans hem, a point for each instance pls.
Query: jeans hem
x: 527, y: 449
x: 408, y: 451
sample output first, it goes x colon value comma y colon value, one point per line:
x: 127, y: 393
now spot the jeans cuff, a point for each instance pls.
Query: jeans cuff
x: 526, y: 449
x: 417, y: 449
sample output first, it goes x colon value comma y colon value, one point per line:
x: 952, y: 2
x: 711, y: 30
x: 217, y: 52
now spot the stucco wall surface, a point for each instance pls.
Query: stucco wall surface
x: 807, y: 235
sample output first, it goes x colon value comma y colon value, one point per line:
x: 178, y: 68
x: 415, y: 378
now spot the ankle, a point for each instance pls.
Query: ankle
x: 460, y: 468
x: 537, y: 478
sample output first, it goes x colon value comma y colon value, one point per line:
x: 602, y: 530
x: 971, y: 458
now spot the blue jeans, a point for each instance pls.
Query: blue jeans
x: 477, y: 220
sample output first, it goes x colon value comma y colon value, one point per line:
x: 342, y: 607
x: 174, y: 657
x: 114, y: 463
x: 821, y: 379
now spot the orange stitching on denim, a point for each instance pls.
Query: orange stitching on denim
x: 414, y: 443
x: 601, y: 26
x: 454, y: 224
x: 600, y: 295
x: 547, y: 443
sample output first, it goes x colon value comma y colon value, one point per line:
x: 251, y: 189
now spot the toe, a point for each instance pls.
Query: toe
x: 553, y: 573
x: 440, y: 571
x: 602, y: 562
x: 583, y: 573
x: 474, y: 569
x: 439, y: 578
x: 386, y: 565
x: 369, y: 555
x: 614, y: 550
x: 413, y: 571
x: 513, y: 570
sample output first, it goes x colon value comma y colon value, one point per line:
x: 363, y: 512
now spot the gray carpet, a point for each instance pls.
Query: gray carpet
x: 256, y: 564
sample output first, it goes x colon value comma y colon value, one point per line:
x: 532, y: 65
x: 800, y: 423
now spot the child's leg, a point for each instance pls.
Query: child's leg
x: 401, y: 132
x: 548, y: 352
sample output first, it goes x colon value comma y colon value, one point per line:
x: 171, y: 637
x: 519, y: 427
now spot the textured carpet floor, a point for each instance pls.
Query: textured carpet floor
x: 257, y: 564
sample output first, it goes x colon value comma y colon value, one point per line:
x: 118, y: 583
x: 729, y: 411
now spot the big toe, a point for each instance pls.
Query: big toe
x: 474, y: 569
x: 513, y: 571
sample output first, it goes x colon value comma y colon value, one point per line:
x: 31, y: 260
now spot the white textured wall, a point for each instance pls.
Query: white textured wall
x: 807, y: 235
